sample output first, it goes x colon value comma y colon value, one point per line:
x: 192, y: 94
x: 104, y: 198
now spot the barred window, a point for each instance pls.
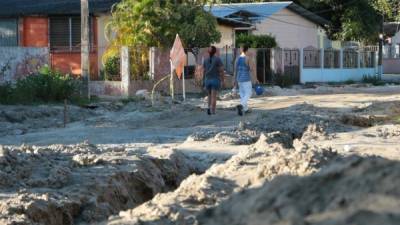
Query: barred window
x: 8, y: 32
x: 65, y: 33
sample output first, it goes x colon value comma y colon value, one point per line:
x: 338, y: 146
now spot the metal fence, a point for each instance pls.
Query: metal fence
x: 331, y: 58
x: 367, y: 59
x: 312, y: 58
x: 350, y: 58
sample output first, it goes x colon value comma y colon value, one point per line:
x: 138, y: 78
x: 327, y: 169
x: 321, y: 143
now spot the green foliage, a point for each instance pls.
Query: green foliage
x: 112, y: 68
x: 142, y: 24
x: 283, y: 80
x: 256, y: 41
x: 373, y: 79
x: 349, y: 81
x: 47, y: 86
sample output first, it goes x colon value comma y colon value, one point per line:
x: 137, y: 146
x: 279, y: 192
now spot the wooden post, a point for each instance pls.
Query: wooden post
x: 85, y: 48
x: 65, y: 113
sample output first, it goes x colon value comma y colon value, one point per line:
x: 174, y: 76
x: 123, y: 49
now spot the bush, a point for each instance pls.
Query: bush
x: 256, y: 41
x: 283, y: 80
x: 47, y: 86
x: 373, y: 79
x: 112, y: 68
x: 349, y: 81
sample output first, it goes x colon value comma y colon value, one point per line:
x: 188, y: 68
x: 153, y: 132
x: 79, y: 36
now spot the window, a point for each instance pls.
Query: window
x: 8, y: 32
x: 65, y: 33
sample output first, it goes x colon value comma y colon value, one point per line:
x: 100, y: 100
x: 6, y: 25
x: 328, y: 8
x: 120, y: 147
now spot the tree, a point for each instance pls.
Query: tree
x: 154, y: 23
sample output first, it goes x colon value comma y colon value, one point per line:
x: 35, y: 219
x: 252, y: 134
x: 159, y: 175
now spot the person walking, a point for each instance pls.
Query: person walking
x: 213, y: 78
x: 243, y: 80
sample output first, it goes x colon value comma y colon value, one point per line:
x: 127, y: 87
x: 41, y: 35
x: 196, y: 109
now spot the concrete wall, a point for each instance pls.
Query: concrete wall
x: 294, y: 32
x: 340, y: 74
x: 335, y: 75
x: 391, y: 66
x: 70, y: 62
x: 19, y: 62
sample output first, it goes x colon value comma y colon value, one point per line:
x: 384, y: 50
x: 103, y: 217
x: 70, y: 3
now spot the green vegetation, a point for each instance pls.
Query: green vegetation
x: 256, y: 41
x: 142, y: 24
x: 373, y: 79
x: 112, y: 68
x: 349, y: 81
x: 47, y: 86
x: 283, y: 80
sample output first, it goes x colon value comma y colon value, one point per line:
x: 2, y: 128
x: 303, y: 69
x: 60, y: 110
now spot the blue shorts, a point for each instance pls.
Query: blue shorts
x: 212, y: 84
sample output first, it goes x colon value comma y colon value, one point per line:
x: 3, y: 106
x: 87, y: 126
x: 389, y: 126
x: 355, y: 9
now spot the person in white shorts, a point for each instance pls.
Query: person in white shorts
x: 243, y: 79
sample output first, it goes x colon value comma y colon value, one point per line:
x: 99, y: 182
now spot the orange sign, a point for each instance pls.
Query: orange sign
x: 178, y: 56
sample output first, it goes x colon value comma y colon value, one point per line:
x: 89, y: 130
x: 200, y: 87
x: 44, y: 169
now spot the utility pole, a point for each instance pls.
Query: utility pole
x: 85, y: 48
x: 380, y: 57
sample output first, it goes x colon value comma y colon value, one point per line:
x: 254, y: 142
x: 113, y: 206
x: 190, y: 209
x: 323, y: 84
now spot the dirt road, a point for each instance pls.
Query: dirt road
x: 121, y: 155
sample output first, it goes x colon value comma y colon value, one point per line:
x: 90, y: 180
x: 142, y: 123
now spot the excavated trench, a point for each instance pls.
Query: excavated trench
x: 80, y: 184
x: 85, y: 184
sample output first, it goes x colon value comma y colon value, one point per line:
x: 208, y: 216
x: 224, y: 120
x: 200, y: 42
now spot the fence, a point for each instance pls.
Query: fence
x: 339, y: 65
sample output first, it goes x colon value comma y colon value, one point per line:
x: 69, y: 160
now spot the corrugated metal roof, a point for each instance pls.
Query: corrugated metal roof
x: 263, y: 9
x: 10, y: 8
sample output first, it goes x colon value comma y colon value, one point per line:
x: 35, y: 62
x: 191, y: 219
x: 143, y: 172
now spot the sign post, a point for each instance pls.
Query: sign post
x: 178, y: 61
x: 183, y: 85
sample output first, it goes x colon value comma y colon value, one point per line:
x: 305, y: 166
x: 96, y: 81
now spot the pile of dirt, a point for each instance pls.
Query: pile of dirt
x: 250, y: 168
x: 388, y: 131
x: 61, y: 184
x: 351, y: 191
x: 18, y: 120
x: 295, y: 120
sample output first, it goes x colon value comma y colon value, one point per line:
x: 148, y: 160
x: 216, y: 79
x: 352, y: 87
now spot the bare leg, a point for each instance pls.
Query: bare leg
x: 209, y: 99
x: 213, y: 101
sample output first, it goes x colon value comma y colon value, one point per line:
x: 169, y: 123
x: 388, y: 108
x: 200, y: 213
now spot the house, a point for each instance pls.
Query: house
x: 290, y: 24
x: 392, y: 43
x: 391, y: 49
x: 55, y: 25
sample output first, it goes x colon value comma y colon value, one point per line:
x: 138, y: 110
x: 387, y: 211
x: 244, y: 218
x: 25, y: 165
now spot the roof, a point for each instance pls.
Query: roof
x: 10, y: 8
x: 232, y: 23
x: 263, y: 10
x: 391, y: 28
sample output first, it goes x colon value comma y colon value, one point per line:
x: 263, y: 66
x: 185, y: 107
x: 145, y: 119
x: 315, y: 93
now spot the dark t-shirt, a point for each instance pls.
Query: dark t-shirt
x: 211, y: 69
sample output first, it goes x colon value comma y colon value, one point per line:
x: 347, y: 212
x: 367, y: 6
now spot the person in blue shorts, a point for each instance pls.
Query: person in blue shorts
x: 213, y: 78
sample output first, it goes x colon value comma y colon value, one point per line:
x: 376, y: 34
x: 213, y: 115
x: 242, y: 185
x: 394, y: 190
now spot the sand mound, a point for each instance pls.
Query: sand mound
x: 18, y: 120
x: 82, y: 183
x: 354, y: 191
x: 250, y: 168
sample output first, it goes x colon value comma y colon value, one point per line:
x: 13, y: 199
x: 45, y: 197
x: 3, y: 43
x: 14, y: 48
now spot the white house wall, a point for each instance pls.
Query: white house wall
x: 290, y: 30
x: 227, y: 36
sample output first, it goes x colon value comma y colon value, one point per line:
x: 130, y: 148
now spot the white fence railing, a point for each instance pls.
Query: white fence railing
x: 331, y: 65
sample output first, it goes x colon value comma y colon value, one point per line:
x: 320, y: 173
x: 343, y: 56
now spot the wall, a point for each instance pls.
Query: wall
x: 294, y: 32
x: 70, y: 62
x: 35, y: 32
x: 335, y: 75
x: 18, y: 62
x: 227, y: 36
x: 391, y: 66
